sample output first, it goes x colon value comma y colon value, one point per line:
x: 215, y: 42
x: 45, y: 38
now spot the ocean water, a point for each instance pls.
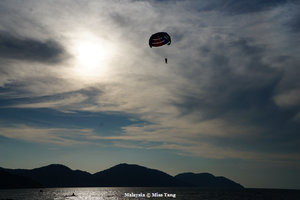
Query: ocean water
x: 147, y: 193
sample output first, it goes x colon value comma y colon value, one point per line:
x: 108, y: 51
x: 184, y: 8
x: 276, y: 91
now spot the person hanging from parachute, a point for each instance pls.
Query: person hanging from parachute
x: 160, y: 39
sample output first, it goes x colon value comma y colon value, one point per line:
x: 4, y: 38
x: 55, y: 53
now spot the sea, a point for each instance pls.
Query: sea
x: 122, y: 193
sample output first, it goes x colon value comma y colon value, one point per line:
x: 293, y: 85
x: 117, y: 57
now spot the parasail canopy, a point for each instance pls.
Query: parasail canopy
x: 159, y: 39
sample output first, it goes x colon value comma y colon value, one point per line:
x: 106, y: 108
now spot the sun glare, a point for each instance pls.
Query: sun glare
x: 90, y: 54
x: 92, y: 57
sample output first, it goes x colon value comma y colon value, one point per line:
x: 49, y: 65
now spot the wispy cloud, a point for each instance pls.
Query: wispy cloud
x: 59, y: 136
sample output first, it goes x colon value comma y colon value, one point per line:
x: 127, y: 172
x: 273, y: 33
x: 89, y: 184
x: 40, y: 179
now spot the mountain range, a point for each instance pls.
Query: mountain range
x: 122, y: 175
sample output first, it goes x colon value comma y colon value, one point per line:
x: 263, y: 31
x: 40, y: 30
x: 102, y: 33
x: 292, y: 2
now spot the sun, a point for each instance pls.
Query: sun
x: 92, y: 56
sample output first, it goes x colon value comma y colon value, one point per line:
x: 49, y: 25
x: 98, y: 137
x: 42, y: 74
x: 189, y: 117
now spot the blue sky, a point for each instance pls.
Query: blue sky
x: 80, y: 86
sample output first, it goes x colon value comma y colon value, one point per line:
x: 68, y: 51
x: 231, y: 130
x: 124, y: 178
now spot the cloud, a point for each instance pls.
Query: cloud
x: 56, y: 103
x: 244, y: 6
x: 65, y: 101
x: 288, y: 99
x: 295, y: 22
x: 13, y: 47
x: 58, y: 136
x: 231, y: 7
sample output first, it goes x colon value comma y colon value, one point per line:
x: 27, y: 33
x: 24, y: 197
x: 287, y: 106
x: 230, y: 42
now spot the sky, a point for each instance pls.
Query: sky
x: 80, y: 86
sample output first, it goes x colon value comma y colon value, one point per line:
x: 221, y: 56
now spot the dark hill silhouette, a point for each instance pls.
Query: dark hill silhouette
x: 122, y: 175
x: 56, y: 175
x: 9, y: 180
x: 207, y: 180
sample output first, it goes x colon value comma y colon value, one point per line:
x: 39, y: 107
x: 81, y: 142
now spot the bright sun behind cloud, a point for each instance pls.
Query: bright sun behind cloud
x: 92, y: 56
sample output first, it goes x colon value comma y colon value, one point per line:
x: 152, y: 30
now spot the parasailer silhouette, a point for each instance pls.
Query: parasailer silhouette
x: 160, y: 39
